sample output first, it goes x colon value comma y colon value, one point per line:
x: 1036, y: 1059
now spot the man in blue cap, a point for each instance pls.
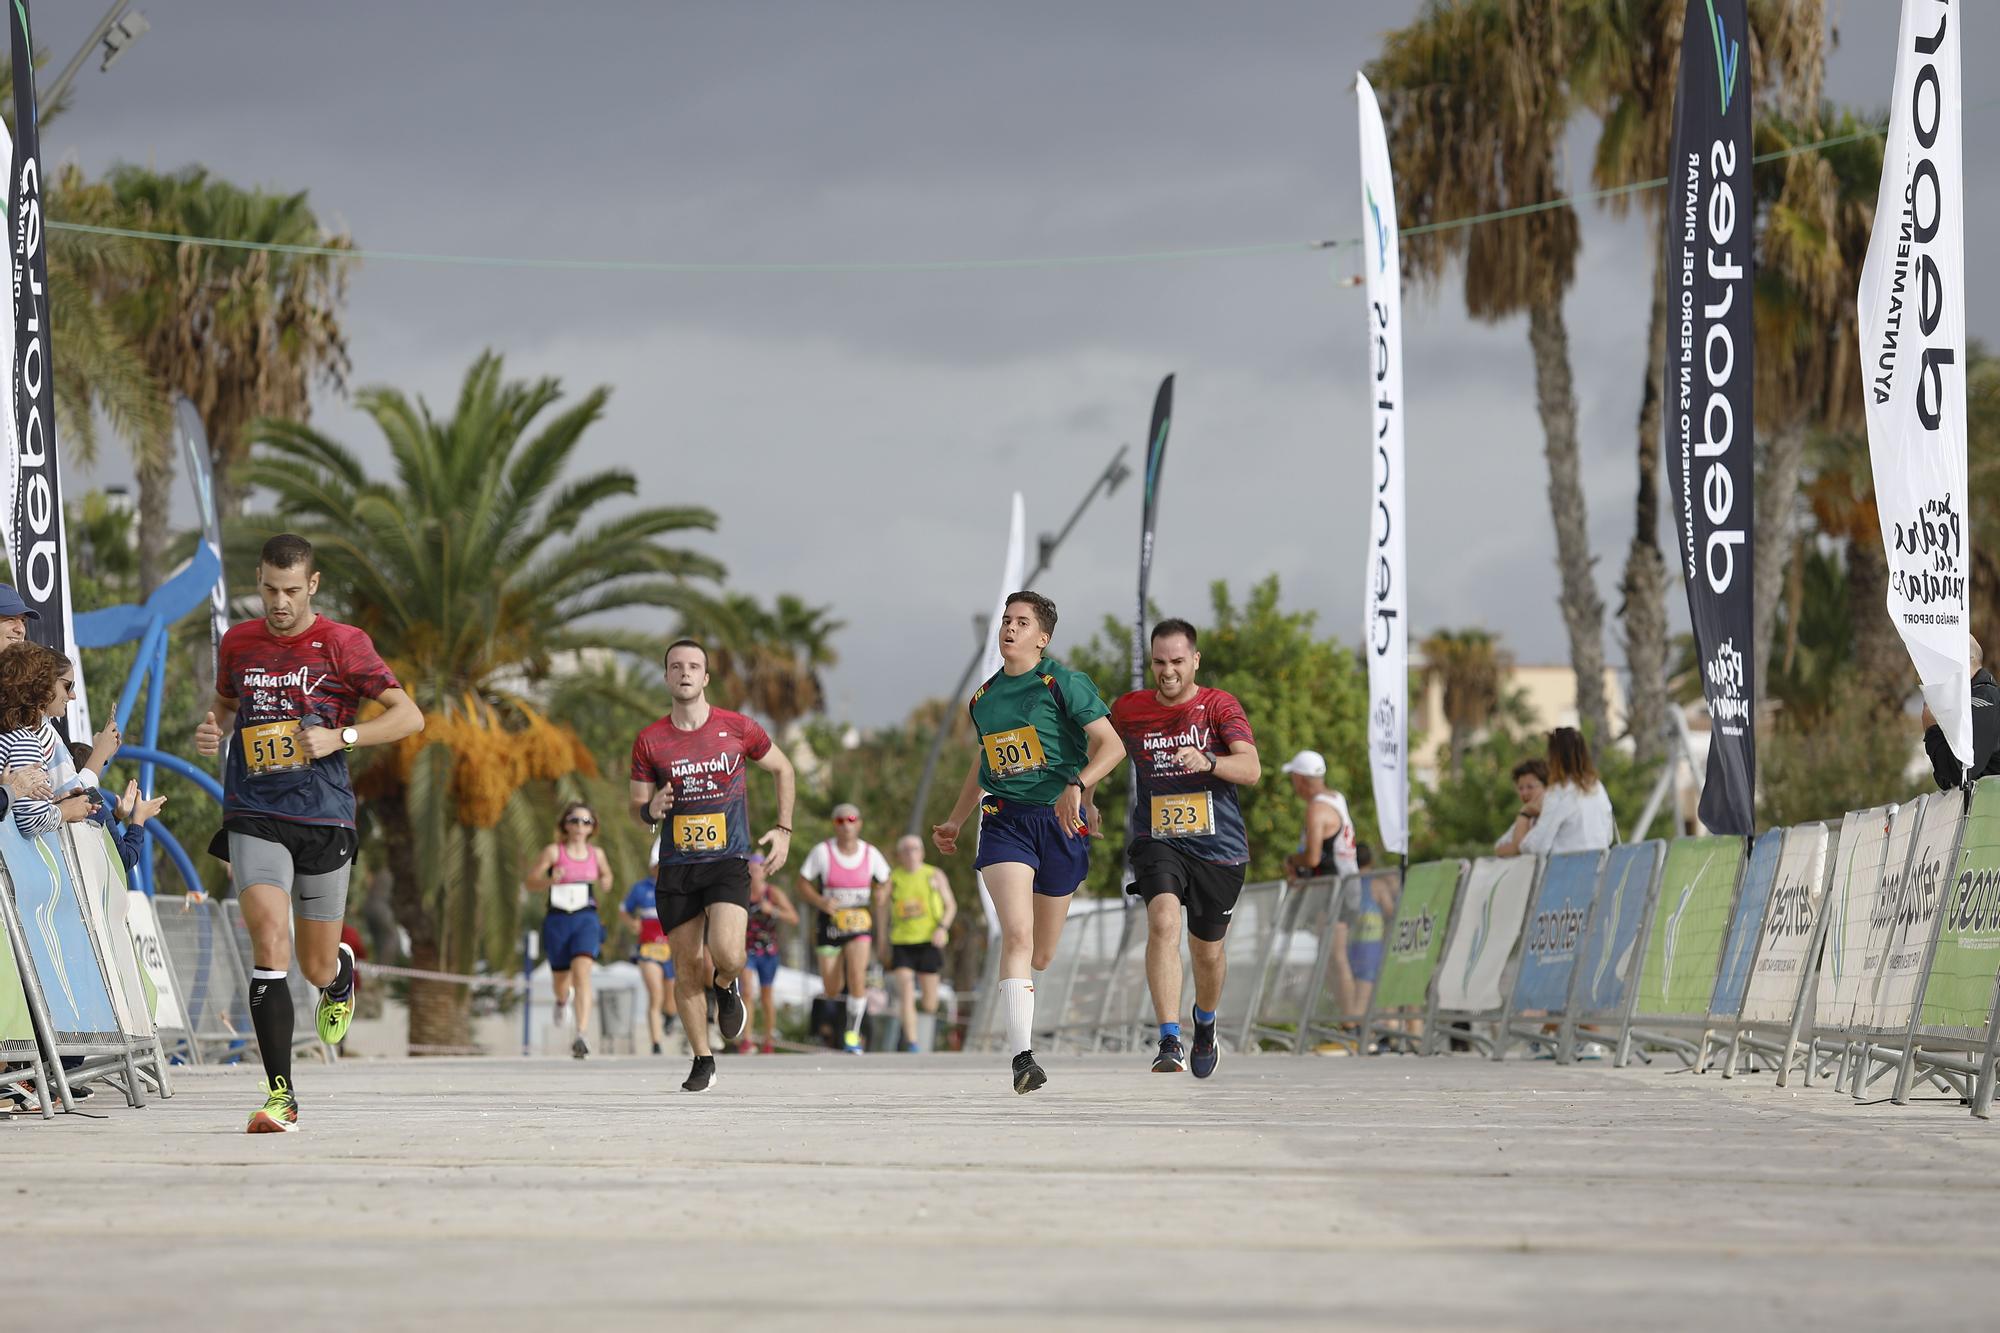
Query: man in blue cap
x: 14, y: 616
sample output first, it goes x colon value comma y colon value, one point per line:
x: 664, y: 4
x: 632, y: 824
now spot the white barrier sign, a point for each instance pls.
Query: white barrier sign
x: 1783, y: 953
x: 1902, y: 922
x: 1484, y: 933
x: 152, y: 955
x: 1873, y: 843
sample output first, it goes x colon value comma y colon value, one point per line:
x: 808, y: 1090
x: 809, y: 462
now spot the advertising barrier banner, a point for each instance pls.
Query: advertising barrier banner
x: 1958, y: 994
x: 1556, y: 932
x: 152, y: 954
x: 1902, y: 922
x: 1423, y: 913
x: 1746, y: 924
x: 1690, y: 924
x: 1610, y: 963
x: 1784, y: 951
x: 1484, y: 931
x: 59, y: 943
x: 1870, y: 842
x: 17, y: 1021
x: 104, y: 884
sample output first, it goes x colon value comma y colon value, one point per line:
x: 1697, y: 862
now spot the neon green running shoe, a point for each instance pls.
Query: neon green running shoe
x: 280, y: 1112
x: 333, y: 1015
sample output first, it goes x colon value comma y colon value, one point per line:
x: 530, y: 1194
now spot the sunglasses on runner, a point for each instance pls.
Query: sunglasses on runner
x: 69, y: 686
x: 584, y: 820
x: 848, y: 819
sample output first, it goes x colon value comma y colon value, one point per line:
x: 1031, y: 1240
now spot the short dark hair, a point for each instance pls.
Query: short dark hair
x: 287, y: 550
x: 695, y: 644
x: 1044, y: 609
x: 1537, y: 766
x: 1364, y: 855
x: 1173, y: 625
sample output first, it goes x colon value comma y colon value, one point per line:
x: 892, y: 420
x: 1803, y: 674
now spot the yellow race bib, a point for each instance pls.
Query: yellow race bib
x: 657, y: 951
x: 1011, y: 752
x: 273, y: 747
x: 912, y: 909
x: 851, y: 920
x: 701, y: 833
x: 1183, y: 815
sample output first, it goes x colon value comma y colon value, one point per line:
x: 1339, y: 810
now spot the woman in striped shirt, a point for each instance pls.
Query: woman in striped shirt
x: 36, y: 684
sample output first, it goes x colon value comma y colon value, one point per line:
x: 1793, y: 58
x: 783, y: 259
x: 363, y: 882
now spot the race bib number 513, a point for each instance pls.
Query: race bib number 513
x: 1012, y: 752
x: 701, y: 833
x: 273, y: 747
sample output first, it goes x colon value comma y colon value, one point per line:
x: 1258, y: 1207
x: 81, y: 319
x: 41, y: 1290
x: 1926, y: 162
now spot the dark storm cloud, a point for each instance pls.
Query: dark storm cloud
x: 860, y: 433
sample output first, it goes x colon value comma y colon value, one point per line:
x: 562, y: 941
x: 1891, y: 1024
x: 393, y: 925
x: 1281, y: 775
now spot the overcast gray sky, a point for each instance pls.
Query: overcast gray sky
x: 859, y: 434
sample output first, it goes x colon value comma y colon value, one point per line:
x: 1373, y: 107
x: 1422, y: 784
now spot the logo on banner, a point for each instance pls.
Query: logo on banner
x: 1385, y: 722
x: 1790, y: 914
x: 1928, y: 553
x: 1976, y: 907
x: 1553, y: 935
x: 1727, y: 681
x: 1381, y: 232
x: 1413, y: 936
x: 1725, y: 65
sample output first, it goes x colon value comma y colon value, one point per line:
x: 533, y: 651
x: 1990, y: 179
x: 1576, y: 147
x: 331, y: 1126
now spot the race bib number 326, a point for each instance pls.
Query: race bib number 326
x: 1012, y: 752
x: 273, y: 747
x: 701, y: 833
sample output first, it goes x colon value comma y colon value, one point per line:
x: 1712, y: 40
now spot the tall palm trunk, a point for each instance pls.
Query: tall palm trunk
x: 440, y: 1011
x: 1886, y: 676
x: 1582, y: 608
x: 1644, y: 586
x: 1777, y: 520
x: 156, y: 479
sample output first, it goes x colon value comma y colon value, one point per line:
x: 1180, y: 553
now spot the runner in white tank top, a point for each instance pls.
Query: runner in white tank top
x: 1326, y: 844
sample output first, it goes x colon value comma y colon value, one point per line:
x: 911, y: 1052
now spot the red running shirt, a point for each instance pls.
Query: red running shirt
x: 707, y: 771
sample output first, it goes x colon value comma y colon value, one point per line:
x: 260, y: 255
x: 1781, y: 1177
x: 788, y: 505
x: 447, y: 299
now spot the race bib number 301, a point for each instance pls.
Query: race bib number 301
x: 273, y: 747
x: 1184, y: 815
x: 1012, y: 752
x: 701, y: 833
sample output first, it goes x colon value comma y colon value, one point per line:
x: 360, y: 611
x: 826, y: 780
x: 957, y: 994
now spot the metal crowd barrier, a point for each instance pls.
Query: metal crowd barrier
x: 1868, y: 955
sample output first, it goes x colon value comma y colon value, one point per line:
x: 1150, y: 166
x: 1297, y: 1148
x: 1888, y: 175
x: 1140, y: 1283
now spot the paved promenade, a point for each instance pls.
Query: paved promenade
x: 901, y: 1192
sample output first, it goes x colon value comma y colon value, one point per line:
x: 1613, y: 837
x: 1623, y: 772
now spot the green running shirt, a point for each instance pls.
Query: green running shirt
x: 1030, y: 731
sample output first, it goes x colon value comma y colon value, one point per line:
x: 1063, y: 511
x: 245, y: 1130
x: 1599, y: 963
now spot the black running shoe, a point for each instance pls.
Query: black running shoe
x: 1206, y: 1054
x: 579, y: 1048
x: 1171, y: 1059
x: 656, y: 1048
x: 1027, y: 1074
x: 702, y: 1077
x: 729, y: 1011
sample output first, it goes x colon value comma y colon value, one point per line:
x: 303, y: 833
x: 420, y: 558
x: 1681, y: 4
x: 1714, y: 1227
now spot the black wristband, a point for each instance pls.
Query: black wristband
x: 783, y: 828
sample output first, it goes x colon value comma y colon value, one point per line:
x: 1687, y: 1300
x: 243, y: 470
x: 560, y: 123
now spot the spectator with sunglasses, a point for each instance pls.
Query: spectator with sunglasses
x: 37, y: 684
x: 571, y: 870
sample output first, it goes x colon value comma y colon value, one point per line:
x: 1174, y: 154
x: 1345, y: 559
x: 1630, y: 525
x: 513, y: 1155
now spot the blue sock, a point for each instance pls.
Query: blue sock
x: 1170, y: 1030
x: 1204, y: 1015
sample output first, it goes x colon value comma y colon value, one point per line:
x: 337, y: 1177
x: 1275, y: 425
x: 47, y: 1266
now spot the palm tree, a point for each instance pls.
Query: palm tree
x: 478, y: 568
x: 243, y: 333
x: 1626, y: 63
x: 1841, y: 493
x: 1472, y: 668
x: 1476, y: 101
x: 1817, y: 209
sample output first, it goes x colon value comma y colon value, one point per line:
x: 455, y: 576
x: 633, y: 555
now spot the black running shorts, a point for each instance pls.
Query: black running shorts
x: 1207, y: 891
x: 925, y: 958
x: 685, y: 891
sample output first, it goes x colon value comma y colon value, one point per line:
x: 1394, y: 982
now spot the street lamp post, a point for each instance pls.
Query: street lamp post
x: 1046, y: 545
x: 117, y: 30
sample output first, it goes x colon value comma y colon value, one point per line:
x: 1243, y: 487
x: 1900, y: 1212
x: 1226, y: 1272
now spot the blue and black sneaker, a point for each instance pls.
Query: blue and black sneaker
x: 1205, y: 1055
x: 1171, y: 1059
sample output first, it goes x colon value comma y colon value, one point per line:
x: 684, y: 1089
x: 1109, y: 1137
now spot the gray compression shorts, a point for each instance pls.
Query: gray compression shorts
x: 260, y: 861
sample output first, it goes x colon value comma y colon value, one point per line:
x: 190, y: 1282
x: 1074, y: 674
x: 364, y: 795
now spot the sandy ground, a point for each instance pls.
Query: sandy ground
x: 900, y: 1192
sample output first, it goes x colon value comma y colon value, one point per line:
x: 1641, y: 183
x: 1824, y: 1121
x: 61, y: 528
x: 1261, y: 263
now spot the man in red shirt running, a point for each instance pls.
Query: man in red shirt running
x: 690, y: 769
x: 1191, y: 749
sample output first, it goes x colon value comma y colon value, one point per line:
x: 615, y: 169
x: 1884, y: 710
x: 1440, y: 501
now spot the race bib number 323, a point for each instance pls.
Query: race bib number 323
x: 701, y: 833
x: 1183, y: 815
x: 1012, y: 752
x: 273, y: 747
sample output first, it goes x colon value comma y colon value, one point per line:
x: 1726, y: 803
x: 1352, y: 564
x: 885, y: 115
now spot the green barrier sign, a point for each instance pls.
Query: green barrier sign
x: 1690, y: 926
x: 16, y: 1023
x: 1959, y: 993
x: 1422, y: 912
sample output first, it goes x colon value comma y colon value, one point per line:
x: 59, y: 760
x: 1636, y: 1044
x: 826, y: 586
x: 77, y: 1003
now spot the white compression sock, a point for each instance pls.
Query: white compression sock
x: 926, y: 1031
x: 857, y: 1009
x: 1018, y: 995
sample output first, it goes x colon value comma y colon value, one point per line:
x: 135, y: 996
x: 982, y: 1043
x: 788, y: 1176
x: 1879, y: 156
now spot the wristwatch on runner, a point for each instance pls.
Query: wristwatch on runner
x: 350, y: 737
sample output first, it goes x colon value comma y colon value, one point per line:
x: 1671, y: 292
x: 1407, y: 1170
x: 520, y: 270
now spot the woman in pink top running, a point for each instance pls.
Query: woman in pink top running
x: 571, y: 870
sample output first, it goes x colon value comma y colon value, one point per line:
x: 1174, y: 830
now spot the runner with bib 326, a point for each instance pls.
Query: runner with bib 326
x: 690, y: 770
x: 1045, y: 742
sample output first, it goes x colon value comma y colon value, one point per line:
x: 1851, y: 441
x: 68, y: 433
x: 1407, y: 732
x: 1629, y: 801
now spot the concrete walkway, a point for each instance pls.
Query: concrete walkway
x: 918, y: 1192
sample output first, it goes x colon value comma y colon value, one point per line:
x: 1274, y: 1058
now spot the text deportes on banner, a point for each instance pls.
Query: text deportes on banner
x: 39, y: 549
x: 1912, y: 307
x: 1385, y: 625
x: 1707, y: 421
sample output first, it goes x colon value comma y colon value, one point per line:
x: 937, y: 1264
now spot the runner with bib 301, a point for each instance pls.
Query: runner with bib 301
x: 1045, y: 742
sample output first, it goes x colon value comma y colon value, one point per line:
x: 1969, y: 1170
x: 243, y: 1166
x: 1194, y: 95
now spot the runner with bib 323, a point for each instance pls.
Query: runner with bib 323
x: 1045, y: 742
